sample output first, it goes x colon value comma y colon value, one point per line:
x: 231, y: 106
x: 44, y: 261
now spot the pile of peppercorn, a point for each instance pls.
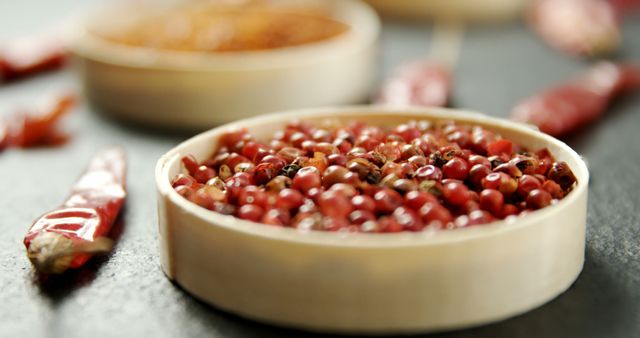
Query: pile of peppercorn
x: 363, y: 178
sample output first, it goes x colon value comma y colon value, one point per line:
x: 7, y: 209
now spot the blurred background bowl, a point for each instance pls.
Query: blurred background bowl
x: 197, y: 90
x: 476, y: 11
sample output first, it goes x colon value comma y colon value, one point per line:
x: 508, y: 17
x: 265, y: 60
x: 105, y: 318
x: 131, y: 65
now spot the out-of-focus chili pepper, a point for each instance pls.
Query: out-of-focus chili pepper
x: 27, y: 56
x: 567, y: 107
x: 68, y: 236
x: 577, y: 27
x: 427, y: 82
x: 420, y: 83
x: 36, y: 128
x: 623, y: 7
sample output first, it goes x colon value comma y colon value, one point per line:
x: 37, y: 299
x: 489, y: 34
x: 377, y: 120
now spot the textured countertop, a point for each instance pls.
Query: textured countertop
x: 126, y: 293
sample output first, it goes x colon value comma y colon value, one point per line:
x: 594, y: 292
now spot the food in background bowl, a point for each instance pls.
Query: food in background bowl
x: 226, y: 27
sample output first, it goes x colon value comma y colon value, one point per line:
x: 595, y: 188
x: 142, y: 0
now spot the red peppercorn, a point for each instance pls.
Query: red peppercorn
x: 417, y: 161
x: 363, y: 202
x: 250, y: 149
x: 407, y: 132
x: 334, y: 204
x: 509, y: 210
x: 182, y: 179
x: 387, y: 200
x: 190, y: 163
x: 289, y: 199
x: 501, y: 182
x: 389, y: 224
x: 456, y: 168
x: 470, y: 206
x: 500, y: 147
x: 553, y: 188
x: 337, y: 159
x: 416, y: 199
x: 307, y: 178
x: 509, y: 168
x: 264, y: 172
x: 478, y: 217
x: 231, y: 137
x: 562, y: 174
x: 477, y: 173
x: 455, y: 193
x: 491, y: 200
x: 334, y: 174
x: 277, y: 162
x: 201, y: 198
x: 252, y: 195
x: 526, y: 183
x: 435, y: 215
x: 276, y: 217
x: 408, y: 219
x: 346, y: 189
x: 334, y: 223
x: 185, y: 191
x: 297, y: 139
x: 429, y: 172
x: 343, y: 146
x: 203, y: 174
x: 538, y: 199
x: 479, y: 159
x: 250, y: 212
x: 361, y: 216
x: 367, y: 142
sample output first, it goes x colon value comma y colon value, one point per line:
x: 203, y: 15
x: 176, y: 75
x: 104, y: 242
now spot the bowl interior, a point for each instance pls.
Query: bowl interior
x: 202, y: 146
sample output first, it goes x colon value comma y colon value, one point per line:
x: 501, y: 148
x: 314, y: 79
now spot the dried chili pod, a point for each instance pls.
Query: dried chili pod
x: 68, y: 236
x: 567, y: 107
x: 427, y: 82
x: 577, y: 27
x: 36, y: 128
x: 419, y: 83
x: 27, y: 56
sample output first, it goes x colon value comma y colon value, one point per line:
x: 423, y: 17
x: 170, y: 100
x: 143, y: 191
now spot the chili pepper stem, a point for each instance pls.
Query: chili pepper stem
x: 51, y: 252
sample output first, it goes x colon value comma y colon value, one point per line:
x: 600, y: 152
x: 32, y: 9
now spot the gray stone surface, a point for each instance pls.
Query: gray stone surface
x: 126, y: 295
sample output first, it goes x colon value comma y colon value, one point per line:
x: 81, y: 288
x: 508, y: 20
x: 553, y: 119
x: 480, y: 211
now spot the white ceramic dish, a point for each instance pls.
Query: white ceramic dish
x: 485, y: 11
x: 372, y: 283
x: 193, y: 90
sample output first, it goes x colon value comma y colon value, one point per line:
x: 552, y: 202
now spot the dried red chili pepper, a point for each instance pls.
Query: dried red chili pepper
x: 418, y: 83
x: 68, y: 236
x: 427, y: 82
x: 577, y: 27
x: 27, y: 56
x: 623, y: 7
x: 567, y: 107
x: 37, y: 128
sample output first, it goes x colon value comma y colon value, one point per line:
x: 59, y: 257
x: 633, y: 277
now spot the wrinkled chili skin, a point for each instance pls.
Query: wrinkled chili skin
x: 93, y: 205
x: 563, y: 109
x: 418, y: 83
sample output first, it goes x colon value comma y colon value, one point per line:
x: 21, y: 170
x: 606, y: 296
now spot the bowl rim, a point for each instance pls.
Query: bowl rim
x: 364, y: 240
x: 364, y: 30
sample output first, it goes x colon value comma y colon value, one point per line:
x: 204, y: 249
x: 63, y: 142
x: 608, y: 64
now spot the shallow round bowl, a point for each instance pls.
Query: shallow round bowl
x: 372, y: 283
x: 198, y: 90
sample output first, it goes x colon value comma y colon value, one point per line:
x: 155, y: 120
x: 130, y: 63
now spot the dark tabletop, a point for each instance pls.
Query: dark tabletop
x: 126, y: 293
